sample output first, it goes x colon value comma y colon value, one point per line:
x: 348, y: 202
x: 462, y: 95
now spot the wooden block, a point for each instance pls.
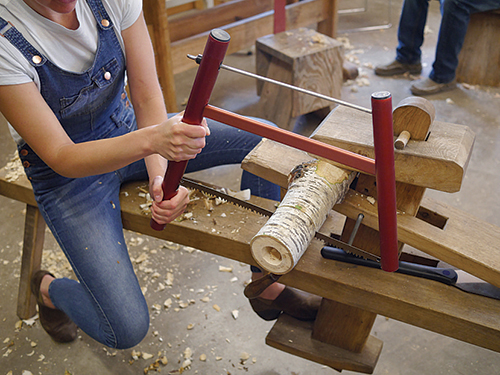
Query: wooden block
x: 479, y: 59
x: 438, y: 163
x: 294, y: 336
x: 313, y: 61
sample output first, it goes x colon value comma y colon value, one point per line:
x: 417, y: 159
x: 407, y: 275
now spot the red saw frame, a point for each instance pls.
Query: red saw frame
x: 382, y: 167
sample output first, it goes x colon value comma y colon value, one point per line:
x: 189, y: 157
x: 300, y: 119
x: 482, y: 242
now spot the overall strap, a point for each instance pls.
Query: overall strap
x: 100, y: 14
x: 9, y: 32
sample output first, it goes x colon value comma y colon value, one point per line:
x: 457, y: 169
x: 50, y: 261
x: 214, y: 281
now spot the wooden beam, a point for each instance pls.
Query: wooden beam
x: 182, y: 27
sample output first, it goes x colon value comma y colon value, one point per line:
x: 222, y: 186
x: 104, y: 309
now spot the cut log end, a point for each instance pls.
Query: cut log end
x: 314, y: 188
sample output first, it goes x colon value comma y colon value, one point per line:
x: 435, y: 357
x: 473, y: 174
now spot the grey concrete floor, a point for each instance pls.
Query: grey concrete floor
x: 186, y: 276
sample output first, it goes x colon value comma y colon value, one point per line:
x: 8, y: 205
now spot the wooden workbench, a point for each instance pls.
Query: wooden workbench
x: 444, y: 232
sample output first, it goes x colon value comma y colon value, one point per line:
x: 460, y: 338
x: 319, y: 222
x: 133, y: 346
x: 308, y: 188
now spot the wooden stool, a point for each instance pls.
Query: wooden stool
x: 479, y: 60
x: 303, y: 58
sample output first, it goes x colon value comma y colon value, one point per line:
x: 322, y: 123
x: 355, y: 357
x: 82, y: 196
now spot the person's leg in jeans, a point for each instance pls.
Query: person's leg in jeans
x: 411, y: 31
x: 410, y: 38
x: 107, y: 303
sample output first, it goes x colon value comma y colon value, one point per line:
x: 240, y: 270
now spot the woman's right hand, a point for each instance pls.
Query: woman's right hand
x: 179, y: 141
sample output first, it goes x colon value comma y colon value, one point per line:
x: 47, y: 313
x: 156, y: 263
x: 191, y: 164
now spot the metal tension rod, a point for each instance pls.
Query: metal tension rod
x: 291, y: 87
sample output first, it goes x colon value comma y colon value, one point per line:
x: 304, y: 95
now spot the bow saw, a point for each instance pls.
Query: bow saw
x: 382, y: 166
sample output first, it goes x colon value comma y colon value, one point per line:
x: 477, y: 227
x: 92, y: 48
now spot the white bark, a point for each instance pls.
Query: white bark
x: 314, y: 188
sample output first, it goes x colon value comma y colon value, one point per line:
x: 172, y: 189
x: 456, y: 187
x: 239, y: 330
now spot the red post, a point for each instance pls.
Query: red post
x: 386, y: 179
x: 213, y: 55
x: 279, y: 16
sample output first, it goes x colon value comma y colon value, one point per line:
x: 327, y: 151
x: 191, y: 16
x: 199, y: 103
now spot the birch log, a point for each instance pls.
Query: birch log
x: 313, y: 189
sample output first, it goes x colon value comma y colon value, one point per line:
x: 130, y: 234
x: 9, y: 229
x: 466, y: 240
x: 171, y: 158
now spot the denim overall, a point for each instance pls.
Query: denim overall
x: 456, y: 16
x: 84, y: 213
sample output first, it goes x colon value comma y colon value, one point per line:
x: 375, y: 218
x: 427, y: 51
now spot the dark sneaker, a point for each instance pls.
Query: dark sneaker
x: 396, y: 68
x: 427, y: 86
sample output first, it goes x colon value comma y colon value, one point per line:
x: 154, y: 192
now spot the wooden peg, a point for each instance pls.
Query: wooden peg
x: 402, y: 140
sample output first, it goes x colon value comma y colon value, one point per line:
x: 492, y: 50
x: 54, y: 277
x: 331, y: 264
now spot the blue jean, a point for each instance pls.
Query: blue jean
x: 84, y: 216
x: 454, y: 22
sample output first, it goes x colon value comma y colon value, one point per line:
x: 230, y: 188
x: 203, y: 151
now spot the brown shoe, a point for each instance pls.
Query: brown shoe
x: 396, y: 68
x: 55, y: 322
x: 296, y: 303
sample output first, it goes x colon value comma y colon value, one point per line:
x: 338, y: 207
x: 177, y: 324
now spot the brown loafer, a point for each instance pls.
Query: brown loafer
x: 296, y: 303
x: 55, y: 322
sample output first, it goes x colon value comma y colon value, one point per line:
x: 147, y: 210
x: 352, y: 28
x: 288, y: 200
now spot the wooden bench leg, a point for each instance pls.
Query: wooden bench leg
x: 34, y: 234
x: 339, y: 338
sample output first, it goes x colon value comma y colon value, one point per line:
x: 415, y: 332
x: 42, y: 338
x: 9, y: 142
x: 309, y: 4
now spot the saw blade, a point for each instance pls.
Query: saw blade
x: 327, y: 240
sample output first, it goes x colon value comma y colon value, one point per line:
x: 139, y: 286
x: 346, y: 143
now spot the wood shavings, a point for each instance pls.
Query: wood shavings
x: 346, y: 43
x: 449, y: 101
x: 190, y: 326
x: 244, y: 357
x: 318, y: 39
x: 235, y: 314
x: 371, y: 200
x: 171, y: 245
x: 147, y: 356
x: 170, y: 279
x: 203, y: 357
x: 225, y: 269
x: 141, y: 258
x: 14, y: 168
x: 168, y: 303
x: 155, y: 366
x: 216, y: 307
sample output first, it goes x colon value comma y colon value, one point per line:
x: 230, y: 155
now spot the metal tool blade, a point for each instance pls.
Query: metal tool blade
x: 327, y: 240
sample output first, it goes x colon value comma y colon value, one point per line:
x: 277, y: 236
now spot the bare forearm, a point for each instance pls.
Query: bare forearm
x: 105, y: 155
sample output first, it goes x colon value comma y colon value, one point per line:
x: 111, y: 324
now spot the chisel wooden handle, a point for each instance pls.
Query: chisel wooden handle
x: 213, y: 55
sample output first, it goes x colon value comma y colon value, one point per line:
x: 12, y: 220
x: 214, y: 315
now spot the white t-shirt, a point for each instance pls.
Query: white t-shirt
x: 71, y: 50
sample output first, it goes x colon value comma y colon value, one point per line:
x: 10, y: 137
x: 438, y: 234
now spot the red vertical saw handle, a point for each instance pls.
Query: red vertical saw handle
x: 386, y: 179
x: 213, y: 55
